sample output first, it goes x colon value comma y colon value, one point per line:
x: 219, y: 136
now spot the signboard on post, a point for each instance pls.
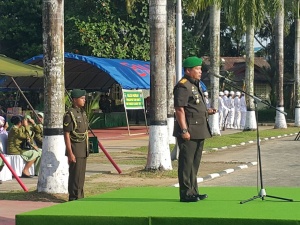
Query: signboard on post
x: 134, y: 100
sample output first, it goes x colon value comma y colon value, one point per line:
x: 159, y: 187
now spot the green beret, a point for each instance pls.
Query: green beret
x: 191, y: 62
x: 77, y: 93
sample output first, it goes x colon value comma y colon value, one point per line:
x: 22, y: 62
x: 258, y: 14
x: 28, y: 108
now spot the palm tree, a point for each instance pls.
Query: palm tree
x: 280, y: 121
x: 171, y: 66
x: 159, y: 150
x: 297, y: 64
x: 53, y: 177
x: 249, y: 15
x: 214, y: 18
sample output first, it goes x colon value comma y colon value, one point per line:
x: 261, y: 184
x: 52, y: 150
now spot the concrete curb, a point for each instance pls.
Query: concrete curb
x: 249, y: 142
x: 231, y: 170
x: 222, y: 173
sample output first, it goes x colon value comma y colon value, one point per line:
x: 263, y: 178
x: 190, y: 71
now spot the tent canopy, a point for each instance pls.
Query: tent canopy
x: 14, y: 68
x: 92, y: 73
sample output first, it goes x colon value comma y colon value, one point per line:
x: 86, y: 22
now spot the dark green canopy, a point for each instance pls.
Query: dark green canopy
x: 14, y: 68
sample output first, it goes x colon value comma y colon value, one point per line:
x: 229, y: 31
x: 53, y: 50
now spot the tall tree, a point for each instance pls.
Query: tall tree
x: 195, y: 6
x: 159, y: 151
x: 214, y: 63
x: 297, y: 63
x: 53, y: 177
x: 249, y: 15
x: 280, y: 121
x: 171, y: 65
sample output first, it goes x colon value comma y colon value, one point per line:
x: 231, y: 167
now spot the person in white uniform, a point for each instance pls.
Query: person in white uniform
x: 221, y: 107
x: 226, y: 111
x: 237, y: 111
x: 243, y: 111
x: 230, y: 105
x: 207, y: 101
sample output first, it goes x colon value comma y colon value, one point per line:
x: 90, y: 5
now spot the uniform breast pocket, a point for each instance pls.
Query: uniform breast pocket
x: 196, y: 121
x: 79, y: 121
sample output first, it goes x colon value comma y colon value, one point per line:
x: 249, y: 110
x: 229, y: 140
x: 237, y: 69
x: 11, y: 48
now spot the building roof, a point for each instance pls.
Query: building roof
x: 237, y: 66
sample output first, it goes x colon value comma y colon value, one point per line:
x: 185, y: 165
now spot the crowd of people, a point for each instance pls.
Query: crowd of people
x: 23, y: 138
x: 232, y: 109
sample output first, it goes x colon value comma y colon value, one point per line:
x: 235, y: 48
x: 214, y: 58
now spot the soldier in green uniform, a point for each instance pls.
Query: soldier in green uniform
x: 76, y: 139
x: 191, y: 128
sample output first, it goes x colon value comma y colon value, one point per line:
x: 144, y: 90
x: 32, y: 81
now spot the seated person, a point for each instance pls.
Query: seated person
x: 17, y: 134
x: 3, y: 134
x: 39, y: 133
x: 35, y: 131
x: 104, y: 104
x: 3, y: 140
x: 1, y: 167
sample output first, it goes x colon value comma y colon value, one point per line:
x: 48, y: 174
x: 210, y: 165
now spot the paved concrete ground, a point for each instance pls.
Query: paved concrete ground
x: 279, y: 156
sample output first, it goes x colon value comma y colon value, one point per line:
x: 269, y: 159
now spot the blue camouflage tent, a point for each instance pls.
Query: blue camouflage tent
x: 93, y: 73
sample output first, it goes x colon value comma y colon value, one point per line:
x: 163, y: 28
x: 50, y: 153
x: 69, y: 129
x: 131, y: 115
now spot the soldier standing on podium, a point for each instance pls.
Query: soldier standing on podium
x: 191, y: 128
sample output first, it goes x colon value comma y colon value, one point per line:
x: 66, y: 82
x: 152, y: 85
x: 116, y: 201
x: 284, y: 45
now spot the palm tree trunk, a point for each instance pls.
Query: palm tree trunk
x: 297, y: 66
x: 159, y: 151
x: 171, y: 66
x: 214, y: 65
x: 249, y: 79
x: 280, y: 121
x: 53, y: 176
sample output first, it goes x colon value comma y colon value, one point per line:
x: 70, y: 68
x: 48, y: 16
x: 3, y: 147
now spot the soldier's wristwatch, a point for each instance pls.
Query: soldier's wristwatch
x: 184, y: 131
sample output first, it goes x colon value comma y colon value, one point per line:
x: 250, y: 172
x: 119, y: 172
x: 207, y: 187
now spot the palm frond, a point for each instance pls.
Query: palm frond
x: 90, y: 105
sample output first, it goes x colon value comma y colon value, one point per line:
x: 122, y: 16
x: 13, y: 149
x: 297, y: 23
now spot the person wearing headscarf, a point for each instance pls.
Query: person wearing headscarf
x: 20, y: 132
x: 3, y: 134
x: 3, y: 139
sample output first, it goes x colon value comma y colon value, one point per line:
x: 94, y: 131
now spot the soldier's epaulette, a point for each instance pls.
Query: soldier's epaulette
x: 183, y: 81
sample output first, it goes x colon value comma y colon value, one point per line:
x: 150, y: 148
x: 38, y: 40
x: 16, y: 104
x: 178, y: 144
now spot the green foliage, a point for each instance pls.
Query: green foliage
x: 102, y: 28
x: 90, y: 105
x: 21, y: 28
x: 109, y: 31
x: 68, y: 101
x: 241, y: 13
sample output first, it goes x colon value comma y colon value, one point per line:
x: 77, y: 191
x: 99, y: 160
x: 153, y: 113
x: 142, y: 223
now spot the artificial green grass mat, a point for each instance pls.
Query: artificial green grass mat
x: 160, y: 205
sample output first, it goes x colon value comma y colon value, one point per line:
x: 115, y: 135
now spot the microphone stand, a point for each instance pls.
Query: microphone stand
x: 262, y: 193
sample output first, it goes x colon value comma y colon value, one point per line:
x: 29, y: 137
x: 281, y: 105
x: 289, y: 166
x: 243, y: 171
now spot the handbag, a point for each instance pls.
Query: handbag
x: 25, y: 145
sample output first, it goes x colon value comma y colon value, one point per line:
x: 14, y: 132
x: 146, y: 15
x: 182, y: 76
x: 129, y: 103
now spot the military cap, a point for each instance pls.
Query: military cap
x: 192, y: 61
x: 77, y: 93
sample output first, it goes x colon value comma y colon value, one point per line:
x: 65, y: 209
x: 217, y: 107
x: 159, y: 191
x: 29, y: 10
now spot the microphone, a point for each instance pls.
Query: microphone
x: 222, y: 77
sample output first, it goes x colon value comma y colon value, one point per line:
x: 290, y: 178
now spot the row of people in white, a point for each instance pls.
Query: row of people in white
x: 232, y: 109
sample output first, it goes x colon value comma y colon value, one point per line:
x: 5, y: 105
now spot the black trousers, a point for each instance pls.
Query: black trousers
x: 188, y: 164
x: 76, y: 179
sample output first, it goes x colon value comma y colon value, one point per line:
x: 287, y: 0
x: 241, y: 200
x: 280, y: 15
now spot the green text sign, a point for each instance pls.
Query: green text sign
x: 133, y: 99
